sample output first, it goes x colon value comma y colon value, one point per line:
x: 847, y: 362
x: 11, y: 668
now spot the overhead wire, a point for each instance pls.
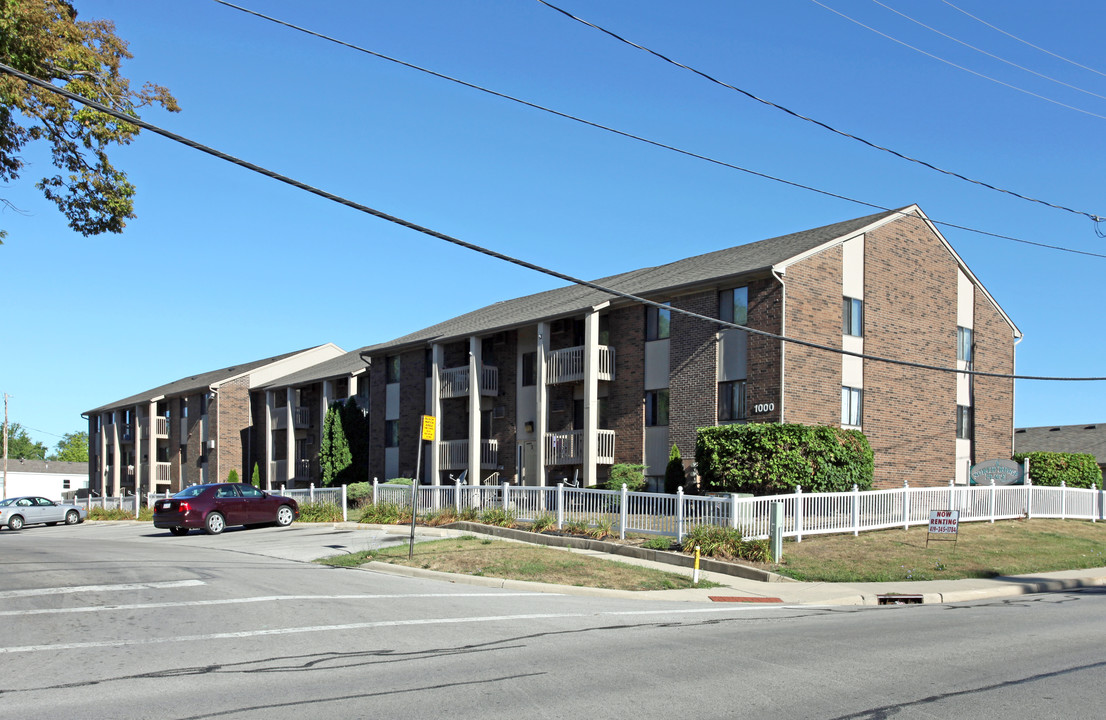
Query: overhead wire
x: 138, y: 122
x: 964, y: 68
x: 1024, y: 42
x: 638, y: 138
x: 1091, y: 216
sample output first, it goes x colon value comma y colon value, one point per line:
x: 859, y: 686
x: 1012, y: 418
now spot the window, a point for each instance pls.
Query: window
x: 656, y: 408
x: 852, y: 317
x: 65, y: 484
x: 852, y: 400
x: 963, y: 422
x: 391, y: 369
x: 731, y: 400
x: 391, y: 433
x: 658, y: 322
x: 529, y: 369
x: 733, y: 305
x: 964, y: 344
x: 428, y: 360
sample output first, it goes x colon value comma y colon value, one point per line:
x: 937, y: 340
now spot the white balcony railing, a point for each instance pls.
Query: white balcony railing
x: 454, y: 382
x: 567, y: 365
x: 567, y: 448
x: 454, y: 454
x: 302, y: 417
x: 278, y: 472
x: 163, y: 472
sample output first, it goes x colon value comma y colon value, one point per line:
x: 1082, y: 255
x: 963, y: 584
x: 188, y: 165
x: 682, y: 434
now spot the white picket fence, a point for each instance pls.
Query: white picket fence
x: 803, y: 513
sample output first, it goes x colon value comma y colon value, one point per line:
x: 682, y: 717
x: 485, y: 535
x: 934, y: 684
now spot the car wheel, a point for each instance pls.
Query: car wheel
x: 16, y: 522
x: 178, y: 530
x: 285, y: 516
x: 214, y: 523
x: 72, y: 517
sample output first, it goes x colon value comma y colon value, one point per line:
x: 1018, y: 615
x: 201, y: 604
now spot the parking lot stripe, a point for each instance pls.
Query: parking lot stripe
x: 99, y: 588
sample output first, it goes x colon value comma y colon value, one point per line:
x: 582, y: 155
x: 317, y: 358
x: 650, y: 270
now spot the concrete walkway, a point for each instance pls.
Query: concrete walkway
x: 775, y: 589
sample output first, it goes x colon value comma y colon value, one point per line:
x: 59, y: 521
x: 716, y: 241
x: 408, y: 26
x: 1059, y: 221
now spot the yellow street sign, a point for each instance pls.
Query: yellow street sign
x: 428, y: 427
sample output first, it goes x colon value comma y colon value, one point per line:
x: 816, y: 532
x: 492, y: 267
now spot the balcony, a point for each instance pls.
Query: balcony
x: 161, y: 426
x: 454, y: 382
x: 564, y: 366
x: 567, y: 448
x: 454, y: 454
x: 301, y: 417
x: 278, y: 472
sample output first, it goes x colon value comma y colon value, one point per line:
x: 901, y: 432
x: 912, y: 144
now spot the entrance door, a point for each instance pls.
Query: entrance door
x: 530, y: 474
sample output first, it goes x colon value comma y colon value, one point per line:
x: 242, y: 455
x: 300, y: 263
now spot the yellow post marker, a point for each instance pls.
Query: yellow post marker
x: 695, y: 576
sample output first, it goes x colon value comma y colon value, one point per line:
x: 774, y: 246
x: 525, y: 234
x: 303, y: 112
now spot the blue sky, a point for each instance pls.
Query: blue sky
x: 224, y: 266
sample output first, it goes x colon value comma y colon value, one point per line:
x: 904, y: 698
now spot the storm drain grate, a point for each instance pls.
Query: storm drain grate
x: 899, y: 599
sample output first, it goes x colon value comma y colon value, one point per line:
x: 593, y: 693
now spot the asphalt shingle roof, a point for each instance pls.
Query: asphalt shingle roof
x: 1063, y: 438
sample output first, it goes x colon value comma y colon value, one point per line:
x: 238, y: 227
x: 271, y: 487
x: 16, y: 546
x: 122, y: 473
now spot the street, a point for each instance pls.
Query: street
x: 125, y: 621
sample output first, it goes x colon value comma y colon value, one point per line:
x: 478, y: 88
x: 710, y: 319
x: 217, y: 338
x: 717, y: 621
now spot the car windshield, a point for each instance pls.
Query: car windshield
x: 190, y: 492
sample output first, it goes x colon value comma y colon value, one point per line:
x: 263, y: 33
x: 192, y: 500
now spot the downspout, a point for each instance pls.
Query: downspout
x: 778, y: 274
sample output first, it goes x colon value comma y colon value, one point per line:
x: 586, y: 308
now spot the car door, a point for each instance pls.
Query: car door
x: 28, y: 508
x: 260, y: 508
x: 230, y: 503
x: 48, y: 511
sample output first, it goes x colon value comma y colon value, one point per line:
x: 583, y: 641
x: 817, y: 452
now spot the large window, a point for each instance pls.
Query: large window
x: 656, y: 408
x: 852, y: 401
x: 964, y: 422
x: 733, y: 305
x: 391, y: 433
x: 964, y: 344
x: 731, y: 400
x: 658, y: 322
x: 852, y: 317
x: 391, y: 369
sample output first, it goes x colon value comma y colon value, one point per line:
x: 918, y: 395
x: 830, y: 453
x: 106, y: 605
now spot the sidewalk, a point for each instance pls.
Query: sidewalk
x: 774, y: 589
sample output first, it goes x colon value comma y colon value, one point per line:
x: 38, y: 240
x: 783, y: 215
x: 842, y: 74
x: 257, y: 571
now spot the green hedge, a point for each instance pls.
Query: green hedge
x: 1076, y: 470
x: 774, y: 458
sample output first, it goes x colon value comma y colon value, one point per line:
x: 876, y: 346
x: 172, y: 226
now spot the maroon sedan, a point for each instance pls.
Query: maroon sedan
x: 214, y: 507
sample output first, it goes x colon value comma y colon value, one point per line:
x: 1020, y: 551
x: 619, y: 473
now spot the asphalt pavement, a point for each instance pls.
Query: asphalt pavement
x: 313, y: 541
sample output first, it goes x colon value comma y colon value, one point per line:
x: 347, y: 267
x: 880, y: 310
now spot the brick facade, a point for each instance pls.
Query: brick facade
x: 812, y: 378
x: 625, y: 395
x: 692, y: 370
x: 993, y: 398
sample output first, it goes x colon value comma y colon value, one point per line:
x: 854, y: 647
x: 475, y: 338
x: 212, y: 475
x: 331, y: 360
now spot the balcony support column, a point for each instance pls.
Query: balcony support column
x: 289, y: 436
x: 270, y: 450
x: 541, y: 414
x: 475, y: 364
x: 117, y: 455
x: 151, y: 453
x: 437, y: 360
x: 590, y: 439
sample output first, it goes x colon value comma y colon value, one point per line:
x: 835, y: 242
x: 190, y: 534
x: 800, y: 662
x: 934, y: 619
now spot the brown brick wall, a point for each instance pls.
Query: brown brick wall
x: 993, y: 397
x: 762, y: 386
x: 504, y: 429
x: 813, y: 377
x: 377, y: 403
x: 692, y: 370
x: 412, y: 406
x: 910, y: 313
x: 626, y: 392
x: 230, y: 414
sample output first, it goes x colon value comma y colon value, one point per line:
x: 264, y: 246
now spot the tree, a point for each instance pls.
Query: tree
x: 21, y: 446
x: 43, y: 38
x: 255, y: 480
x: 674, y: 476
x: 334, y: 453
x: 73, y: 447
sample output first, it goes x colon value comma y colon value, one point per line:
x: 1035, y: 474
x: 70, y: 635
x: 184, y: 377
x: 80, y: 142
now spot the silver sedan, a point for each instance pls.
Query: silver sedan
x: 31, y: 510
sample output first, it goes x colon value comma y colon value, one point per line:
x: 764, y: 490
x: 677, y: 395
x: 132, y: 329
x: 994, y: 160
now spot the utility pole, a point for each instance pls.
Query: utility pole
x: 4, y: 482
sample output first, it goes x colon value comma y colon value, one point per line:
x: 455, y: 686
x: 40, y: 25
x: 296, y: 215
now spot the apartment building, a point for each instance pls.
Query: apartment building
x: 564, y: 383
x: 192, y: 430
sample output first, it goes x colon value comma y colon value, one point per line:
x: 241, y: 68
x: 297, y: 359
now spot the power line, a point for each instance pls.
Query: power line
x: 1024, y: 42
x: 819, y: 123
x: 631, y: 136
x: 495, y: 254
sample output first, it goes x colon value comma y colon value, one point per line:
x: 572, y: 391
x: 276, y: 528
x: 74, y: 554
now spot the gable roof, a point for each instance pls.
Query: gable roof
x: 198, y: 383
x: 672, y: 277
x: 53, y: 467
x: 1063, y: 438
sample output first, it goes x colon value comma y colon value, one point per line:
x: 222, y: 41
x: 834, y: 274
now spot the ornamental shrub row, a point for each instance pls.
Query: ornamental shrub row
x: 1076, y: 470
x: 774, y: 458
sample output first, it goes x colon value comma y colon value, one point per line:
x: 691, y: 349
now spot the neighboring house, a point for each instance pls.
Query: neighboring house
x: 1090, y: 439
x: 194, y: 430
x: 49, y: 478
x: 567, y: 382
x: 290, y: 425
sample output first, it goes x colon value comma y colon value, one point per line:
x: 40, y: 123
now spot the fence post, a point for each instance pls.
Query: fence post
x: 798, y: 513
x: 905, y: 504
x: 622, y: 512
x: 679, y: 514
x: 733, y: 511
x: 856, y: 510
x: 504, y: 499
x: 952, y: 484
x: 376, y: 501
x: 311, y: 492
x: 1063, y: 499
x: 560, y: 505
x: 1100, y: 504
x: 345, y: 514
x: 1028, y: 498
x: 992, y: 500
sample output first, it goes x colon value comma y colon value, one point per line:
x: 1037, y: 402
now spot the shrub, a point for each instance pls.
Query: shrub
x: 469, y: 514
x: 401, y: 481
x: 146, y: 514
x: 626, y: 474
x: 774, y: 458
x: 543, y: 522
x: 674, y: 476
x: 604, y: 528
x: 1076, y: 470
x: 444, y: 516
x: 659, y: 543
x: 359, y: 493
x: 726, y: 543
x: 255, y: 479
x: 577, y: 527
x: 99, y: 513
x: 498, y: 517
x: 232, y: 476
x: 386, y: 514
x: 320, y: 512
